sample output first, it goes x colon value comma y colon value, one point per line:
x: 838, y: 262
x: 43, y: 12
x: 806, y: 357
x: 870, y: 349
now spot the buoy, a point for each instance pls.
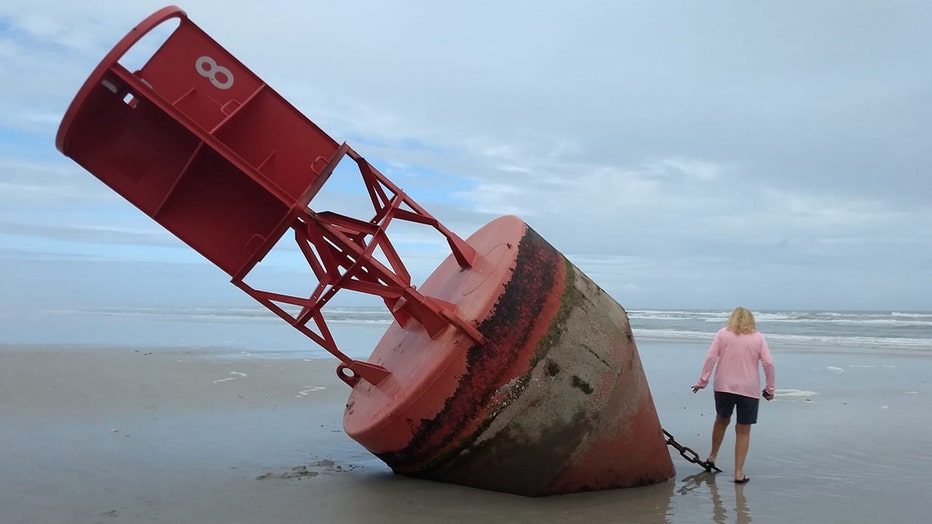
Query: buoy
x: 508, y: 369
x: 554, y: 401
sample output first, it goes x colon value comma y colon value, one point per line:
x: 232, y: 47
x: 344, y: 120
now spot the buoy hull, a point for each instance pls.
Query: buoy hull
x: 554, y: 401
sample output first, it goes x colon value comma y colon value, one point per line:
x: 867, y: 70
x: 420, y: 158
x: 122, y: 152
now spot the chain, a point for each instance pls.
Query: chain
x: 688, y: 453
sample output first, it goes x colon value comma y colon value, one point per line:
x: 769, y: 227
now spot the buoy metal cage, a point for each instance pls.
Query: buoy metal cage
x: 208, y: 150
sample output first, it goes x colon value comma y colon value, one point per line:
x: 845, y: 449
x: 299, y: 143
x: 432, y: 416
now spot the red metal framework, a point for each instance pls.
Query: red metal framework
x: 339, y: 251
x: 203, y: 146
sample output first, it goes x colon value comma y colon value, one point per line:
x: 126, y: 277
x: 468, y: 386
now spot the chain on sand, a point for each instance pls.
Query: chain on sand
x: 688, y: 453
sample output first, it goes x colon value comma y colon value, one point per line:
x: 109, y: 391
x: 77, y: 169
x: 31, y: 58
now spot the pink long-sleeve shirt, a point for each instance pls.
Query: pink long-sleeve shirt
x: 737, y: 357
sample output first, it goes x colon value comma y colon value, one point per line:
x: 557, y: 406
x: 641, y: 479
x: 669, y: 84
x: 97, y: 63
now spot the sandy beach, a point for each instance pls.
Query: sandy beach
x: 173, y: 435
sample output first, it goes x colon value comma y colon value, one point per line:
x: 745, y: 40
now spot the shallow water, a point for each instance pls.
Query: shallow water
x: 846, y: 440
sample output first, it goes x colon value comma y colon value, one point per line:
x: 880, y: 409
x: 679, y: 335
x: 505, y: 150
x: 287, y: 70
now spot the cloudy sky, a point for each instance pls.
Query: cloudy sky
x: 682, y: 154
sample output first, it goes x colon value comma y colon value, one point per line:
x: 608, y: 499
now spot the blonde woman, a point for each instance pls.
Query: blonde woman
x: 735, y: 353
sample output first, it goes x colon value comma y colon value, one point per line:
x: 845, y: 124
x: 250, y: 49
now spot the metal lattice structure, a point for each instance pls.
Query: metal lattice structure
x: 208, y: 150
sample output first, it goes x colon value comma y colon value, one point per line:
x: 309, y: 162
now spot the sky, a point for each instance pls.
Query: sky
x: 684, y: 155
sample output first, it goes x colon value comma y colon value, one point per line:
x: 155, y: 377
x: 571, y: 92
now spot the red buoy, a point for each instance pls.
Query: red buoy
x: 554, y: 401
x: 508, y: 369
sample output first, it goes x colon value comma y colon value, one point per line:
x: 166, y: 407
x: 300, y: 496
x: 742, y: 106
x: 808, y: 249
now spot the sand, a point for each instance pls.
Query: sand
x: 135, y: 435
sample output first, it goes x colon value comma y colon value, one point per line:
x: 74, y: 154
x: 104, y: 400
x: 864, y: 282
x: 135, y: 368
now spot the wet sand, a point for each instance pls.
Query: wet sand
x: 134, y: 435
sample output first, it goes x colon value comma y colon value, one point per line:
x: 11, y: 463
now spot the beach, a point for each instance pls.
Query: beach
x: 132, y: 434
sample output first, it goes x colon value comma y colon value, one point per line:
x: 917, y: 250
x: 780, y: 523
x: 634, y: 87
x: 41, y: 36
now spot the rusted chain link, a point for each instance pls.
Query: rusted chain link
x: 688, y: 453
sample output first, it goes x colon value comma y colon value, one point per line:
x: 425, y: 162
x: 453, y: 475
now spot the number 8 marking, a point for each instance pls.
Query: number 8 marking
x: 212, y: 70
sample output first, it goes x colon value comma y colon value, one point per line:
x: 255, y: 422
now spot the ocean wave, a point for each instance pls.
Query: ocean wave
x: 677, y: 314
x: 227, y: 314
x: 792, y: 330
x: 794, y: 341
x: 795, y: 393
x: 911, y: 315
x: 807, y: 320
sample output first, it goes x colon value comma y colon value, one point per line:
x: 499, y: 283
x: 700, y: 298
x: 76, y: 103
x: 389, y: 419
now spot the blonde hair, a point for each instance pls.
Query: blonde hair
x: 741, y: 321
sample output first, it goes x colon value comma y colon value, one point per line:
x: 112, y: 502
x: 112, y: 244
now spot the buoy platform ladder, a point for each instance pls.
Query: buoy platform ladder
x: 204, y: 147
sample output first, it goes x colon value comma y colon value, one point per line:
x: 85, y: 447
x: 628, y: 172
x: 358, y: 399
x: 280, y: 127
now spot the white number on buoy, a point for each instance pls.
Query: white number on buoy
x: 218, y: 75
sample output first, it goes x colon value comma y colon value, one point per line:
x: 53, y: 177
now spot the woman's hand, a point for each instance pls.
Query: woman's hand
x: 696, y: 388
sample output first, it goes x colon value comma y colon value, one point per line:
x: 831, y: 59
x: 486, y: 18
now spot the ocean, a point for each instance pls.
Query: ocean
x: 844, y: 331
x: 255, y: 330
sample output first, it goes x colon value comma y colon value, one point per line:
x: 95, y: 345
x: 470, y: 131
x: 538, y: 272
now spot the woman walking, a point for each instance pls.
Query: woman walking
x: 735, y: 354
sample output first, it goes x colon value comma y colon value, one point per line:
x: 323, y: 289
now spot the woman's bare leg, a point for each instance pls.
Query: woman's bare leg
x: 718, y: 435
x: 742, y: 443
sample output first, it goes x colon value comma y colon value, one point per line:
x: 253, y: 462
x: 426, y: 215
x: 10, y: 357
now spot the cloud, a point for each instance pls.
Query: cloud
x: 92, y: 234
x: 683, y: 155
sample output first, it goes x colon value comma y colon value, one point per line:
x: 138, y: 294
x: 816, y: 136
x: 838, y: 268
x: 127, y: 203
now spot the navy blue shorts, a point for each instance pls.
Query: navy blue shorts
x: 725, y: 403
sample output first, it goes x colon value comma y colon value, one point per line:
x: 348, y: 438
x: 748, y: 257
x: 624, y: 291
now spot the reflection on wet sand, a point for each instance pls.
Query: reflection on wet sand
x: 742, y: 514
